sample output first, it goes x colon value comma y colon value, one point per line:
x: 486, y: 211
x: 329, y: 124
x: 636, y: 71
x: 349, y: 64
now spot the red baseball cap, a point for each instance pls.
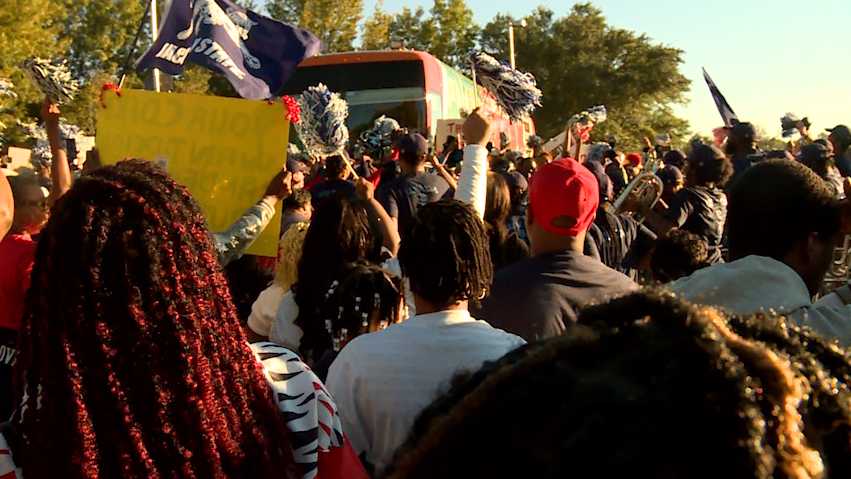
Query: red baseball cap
x: 563, y: 197
x: 634, y: 159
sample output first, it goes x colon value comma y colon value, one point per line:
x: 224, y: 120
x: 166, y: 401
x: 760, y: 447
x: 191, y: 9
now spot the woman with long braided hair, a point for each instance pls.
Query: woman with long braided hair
x: 133, y: 362
x: 646, y: 385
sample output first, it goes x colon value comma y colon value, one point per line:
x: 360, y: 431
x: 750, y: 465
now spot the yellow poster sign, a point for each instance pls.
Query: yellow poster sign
x: 225, y: 150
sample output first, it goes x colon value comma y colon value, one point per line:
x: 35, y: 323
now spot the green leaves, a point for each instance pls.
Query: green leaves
x: 579, y: 60
x: 335, y: 22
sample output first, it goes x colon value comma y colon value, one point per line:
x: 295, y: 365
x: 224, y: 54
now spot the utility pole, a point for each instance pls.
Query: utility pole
x: 511, y: 44
x: 511, y: 58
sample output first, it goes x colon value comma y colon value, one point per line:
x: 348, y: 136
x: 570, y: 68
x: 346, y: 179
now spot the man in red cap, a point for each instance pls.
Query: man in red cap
x: 536, y: 298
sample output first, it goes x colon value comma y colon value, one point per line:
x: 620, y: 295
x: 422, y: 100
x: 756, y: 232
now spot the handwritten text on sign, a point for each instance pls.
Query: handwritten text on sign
x: 224, y: 150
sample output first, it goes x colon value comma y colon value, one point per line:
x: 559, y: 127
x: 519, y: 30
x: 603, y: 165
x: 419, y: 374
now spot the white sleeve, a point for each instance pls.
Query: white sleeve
x: 473, y: 184
x: 343, y: 386
x: 284, y: 330
x: 265, y: 309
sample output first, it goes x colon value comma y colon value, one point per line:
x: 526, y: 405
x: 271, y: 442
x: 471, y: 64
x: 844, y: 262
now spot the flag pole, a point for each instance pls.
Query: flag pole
x: 126, y: 67
x: 155, y: 29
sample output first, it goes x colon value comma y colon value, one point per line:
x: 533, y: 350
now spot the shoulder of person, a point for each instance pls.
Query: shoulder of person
x: 302, y: 398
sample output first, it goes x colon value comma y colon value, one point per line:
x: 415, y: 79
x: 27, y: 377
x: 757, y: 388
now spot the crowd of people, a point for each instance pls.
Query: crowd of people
x: 474, y: 313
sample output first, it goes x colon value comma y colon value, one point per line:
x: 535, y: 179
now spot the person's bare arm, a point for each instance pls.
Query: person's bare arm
x: 441, y: 170
x: 7, y: 206
x: 60, y: 170
x: 366, y: 191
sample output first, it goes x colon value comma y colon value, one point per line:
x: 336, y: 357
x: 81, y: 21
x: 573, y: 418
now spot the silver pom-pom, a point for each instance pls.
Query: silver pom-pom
x: 7, y: 89
x: 591, y: 116
x: 789, y: 124
x: 516, y: 92
x: 323, y: 128
x: 53, y: 79
x: 41, y: 146
x: 377, y: 138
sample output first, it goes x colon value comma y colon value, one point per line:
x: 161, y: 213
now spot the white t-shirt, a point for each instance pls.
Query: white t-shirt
x: 383, y: 380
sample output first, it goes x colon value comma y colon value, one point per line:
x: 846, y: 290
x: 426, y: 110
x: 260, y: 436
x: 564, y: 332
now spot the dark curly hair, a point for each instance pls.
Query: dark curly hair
x: 340, y: 233
x: 132, y: 360
x: 645, y: 385
x: 678, y: 254
x: 707, y: 165
x: 775, y: 204
x: 446, y: 255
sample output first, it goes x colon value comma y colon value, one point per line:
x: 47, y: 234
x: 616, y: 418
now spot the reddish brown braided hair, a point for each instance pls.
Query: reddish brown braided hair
x: 132, y: 360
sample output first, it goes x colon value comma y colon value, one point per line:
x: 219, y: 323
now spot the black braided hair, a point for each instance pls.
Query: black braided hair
x: 446, y: 254
x: 365, y: 299
x: 645, y: 385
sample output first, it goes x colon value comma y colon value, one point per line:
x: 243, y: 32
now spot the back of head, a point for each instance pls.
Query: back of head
x: 300, y: 199
x: 289, y: 254
x: 563, y: 198
x: 445, y: 255
x: 816, y: 157
x: 335, y: 167
x: 413, y: 148
x: 364, y: 299
x: 340, y: 233
x: 707, y: 165
x: 775, y: 204
x: 841, y: 137
x: 678, y: 254
x: 675, y: 158
x: 498, y: 201
x: 118, y: 355
x: 741, y: 138
x: 606, y: 400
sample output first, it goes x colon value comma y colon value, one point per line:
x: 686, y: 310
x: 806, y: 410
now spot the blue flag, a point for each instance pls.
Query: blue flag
x: 728, y: 116
x: 256, y: 54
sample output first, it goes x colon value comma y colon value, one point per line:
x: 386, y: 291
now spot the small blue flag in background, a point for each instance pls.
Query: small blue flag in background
x: 257, y: 54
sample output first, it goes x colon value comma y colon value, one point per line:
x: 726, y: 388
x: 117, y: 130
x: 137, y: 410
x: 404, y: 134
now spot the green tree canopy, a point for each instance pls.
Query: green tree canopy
x: 376, y: 29
x: 334, y: 22
x: 580, y: 61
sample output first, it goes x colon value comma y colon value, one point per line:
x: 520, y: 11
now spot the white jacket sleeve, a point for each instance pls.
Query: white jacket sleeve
x: 265, y: 310
x: 473, y: 184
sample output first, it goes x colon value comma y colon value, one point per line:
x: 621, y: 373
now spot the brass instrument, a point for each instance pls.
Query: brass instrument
x: 643, y: 192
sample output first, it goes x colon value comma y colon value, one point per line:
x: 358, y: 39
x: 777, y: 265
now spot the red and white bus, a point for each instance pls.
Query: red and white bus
x: 414, y: 88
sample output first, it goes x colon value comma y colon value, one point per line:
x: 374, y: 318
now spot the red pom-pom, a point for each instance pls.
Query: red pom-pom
x: 108, y: 87
x: 293, y: 109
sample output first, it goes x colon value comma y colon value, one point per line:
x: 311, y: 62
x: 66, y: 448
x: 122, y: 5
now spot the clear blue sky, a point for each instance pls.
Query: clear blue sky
x: 767, y: 56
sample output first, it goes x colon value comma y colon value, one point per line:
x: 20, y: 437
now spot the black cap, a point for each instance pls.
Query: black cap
x: 813, y: 152
x: 841, y: 132
x: 413, y: 144
x: 743, y: 130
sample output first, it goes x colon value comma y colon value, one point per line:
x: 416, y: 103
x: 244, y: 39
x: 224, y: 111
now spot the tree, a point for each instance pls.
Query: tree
x: 335, y: 23
x: 288, y: 11
x: 376, y: 29
x: 413, y: 28
x: 454, y: 34
x: 580, y: 61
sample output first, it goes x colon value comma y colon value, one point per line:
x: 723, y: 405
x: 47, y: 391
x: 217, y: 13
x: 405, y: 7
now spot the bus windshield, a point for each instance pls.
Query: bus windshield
x: 393, y: 88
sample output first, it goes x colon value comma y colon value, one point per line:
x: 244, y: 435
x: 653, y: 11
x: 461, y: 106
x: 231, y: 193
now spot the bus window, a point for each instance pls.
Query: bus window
x: 358, y: 76
x: 409, y: 113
